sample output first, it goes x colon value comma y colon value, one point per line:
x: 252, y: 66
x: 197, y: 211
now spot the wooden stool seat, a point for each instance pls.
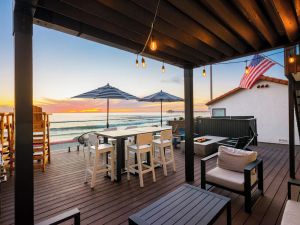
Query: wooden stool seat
x: 143, y: 146
x: 161, y: 146
x: 102, y: 154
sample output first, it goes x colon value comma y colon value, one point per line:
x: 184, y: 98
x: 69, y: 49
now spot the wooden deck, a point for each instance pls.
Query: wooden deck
x: 61, y: 188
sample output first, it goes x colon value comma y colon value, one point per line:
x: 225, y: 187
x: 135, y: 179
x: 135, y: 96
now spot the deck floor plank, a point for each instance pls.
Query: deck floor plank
x: 61, y: 188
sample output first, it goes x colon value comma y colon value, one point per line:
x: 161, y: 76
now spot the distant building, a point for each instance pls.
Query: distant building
x: 267, y: 101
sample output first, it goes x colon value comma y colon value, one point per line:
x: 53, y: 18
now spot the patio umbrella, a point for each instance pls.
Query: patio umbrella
x: 107, y: 92
x: 161, y: 97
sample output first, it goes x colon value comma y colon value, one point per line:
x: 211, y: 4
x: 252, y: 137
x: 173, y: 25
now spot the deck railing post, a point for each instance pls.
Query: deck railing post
x: 189, y: 124
x: 291, y: 127
x: 23, y: 113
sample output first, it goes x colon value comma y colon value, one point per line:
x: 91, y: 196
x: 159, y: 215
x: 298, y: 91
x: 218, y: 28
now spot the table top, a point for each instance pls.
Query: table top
x: 211, y: 139
x: 186, y: 205
x: 132, y: 132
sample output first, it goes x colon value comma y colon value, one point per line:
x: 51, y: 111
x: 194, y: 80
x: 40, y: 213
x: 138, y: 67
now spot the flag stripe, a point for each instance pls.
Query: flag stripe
x: 257, y: 67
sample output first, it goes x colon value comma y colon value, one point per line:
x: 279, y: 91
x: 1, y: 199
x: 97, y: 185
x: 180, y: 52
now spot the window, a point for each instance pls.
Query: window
x: 218, y: 112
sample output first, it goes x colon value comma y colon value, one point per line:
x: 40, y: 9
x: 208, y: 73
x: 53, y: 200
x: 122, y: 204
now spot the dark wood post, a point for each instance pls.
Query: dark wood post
x: 23, y: 113
x: 291, y: 127
x: 189, y: 124
x: 291, y: 95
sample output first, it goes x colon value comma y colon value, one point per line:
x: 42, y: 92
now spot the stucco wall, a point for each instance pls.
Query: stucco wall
x: 268, y: 105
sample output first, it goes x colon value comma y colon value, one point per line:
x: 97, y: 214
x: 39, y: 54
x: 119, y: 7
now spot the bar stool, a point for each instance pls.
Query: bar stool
x: 143, y: 146
x: 161, y: 147
x: 101, y: 152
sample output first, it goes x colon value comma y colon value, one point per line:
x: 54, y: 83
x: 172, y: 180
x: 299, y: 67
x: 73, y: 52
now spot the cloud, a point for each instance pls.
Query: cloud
x: 173, y: 79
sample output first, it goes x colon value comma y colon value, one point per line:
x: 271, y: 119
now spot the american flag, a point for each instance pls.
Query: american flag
x: 258, y: 65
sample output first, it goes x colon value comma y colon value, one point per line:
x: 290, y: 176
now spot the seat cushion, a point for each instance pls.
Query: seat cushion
x: 134, y: 147
x: 165, y: 142
x: 228, y: 178
x: 234, y: 159
x: 291, y: 214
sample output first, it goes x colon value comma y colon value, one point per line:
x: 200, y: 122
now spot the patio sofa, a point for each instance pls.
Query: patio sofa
x: 236, y: 170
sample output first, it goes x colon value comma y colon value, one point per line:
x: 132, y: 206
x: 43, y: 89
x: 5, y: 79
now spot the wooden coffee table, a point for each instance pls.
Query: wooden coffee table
x: 186, y: 205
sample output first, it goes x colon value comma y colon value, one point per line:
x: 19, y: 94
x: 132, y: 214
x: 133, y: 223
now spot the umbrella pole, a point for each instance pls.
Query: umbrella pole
x: 107, y: 112
x: 161, y: 113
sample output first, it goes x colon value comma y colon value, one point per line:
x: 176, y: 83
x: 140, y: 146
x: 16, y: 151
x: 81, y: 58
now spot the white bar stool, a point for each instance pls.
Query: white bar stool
x: 161, y: 147
x: 142, y: 147
x: 101, y: 152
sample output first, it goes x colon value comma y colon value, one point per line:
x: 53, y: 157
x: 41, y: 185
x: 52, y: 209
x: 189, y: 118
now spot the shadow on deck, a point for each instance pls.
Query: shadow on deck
x: 61, y: 188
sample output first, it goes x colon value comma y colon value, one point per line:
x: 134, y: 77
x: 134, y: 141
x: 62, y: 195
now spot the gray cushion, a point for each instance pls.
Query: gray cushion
x: 235, y: 159
x: 228, y: 178
x: 291, y: 214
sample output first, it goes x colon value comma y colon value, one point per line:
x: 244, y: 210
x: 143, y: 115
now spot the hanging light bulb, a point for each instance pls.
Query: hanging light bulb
x: 163, y: 67
x: 137, y: 62
x: 291, y: 58
x: 204, y: 72
x: 246, y: 69
x: 153, y: 44
x: 143, y: 62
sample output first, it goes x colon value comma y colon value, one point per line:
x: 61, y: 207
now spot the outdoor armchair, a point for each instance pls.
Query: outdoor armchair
x: 236, y: 170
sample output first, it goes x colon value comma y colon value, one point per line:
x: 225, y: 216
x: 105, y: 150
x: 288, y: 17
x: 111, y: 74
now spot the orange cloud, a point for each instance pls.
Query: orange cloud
x: 99, y: 105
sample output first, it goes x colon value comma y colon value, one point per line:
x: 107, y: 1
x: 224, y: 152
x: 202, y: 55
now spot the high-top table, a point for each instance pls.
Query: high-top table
x: 120, y: 136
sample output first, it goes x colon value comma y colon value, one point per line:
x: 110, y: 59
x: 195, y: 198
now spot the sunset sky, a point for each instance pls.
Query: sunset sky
x: 65, y: 66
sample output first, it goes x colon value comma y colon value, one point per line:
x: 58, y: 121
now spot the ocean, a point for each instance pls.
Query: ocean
x: 67, y: 126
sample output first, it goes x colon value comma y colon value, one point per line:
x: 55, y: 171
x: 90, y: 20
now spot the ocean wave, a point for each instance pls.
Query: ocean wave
x: 93, y: 127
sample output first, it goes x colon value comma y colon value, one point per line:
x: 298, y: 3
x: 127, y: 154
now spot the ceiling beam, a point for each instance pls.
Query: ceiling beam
x: 184, y: 23
x: 286, y: 13
x: 59, y: 22
x: 255, y: 16
x: 231, y: 17
x: 78, y: 15
x: 104, y: 13
x: 297, y: 8
x: 135, y: 12
x: 206, y: 19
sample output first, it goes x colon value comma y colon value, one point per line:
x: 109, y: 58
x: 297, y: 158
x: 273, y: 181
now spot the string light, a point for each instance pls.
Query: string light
x: 291, y: 58
x: 153, y: 44
x: 163, y: 67
x: 246, y: 68
x: 137, y: 61
x: 143, y: 62
x: 204, y: 72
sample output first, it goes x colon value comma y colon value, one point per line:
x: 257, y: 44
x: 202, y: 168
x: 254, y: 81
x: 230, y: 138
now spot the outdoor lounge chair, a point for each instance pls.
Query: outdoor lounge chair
x: 239, y: 143
x: 236, y: 170
x: 291, y: 215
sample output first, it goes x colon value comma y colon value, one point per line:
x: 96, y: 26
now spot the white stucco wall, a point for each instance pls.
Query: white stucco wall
x: 268, y: 105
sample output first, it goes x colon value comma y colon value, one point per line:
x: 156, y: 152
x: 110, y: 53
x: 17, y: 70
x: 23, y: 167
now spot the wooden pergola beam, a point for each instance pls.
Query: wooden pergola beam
x: 57, y: 21
x: 238, y: 24
x: 168, y: 13
x: 24, y: 201
x: 189, y: 124
x: 255, y: 16
x: 286, y: 13
x: 138, y: 13
x: 206, y: 19
x: 96, y: 14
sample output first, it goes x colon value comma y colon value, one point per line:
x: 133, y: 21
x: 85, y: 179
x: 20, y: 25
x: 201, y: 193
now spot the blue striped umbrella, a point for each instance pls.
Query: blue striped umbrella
x: 107, y: 92
x: 161, y: 97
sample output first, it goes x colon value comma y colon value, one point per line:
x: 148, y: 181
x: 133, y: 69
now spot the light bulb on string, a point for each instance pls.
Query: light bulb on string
x: 143, y: 62
x: 153, y: 44
x: 163, y: 69
x: 137, y: 62
x: 246, y: 69
x: 204, y: 72
x: 291, y: 58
